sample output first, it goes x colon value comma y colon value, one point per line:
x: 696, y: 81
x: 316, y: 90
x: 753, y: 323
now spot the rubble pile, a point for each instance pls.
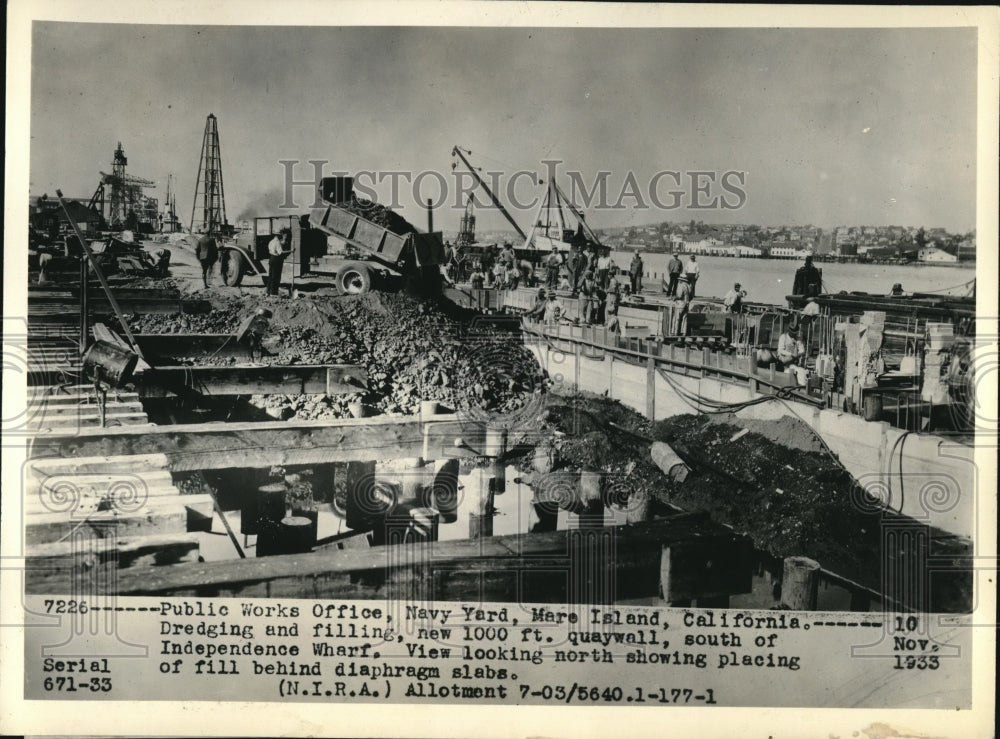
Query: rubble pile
x: 791, y: 501
x: 782, y: 488
x: 379, y: 214
x: 412, y: 350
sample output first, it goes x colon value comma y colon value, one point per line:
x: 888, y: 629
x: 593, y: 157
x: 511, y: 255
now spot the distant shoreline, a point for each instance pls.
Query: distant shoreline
x: 961, y: 265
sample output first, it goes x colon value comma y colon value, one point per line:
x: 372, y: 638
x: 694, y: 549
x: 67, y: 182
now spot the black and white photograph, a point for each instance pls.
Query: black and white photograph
x: 606, y: 361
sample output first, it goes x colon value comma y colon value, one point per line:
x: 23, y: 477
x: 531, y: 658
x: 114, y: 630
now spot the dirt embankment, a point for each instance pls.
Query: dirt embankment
x: 775, y: 482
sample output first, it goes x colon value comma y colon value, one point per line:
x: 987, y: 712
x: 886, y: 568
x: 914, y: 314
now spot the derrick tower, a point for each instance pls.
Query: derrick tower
x: 208, y: 214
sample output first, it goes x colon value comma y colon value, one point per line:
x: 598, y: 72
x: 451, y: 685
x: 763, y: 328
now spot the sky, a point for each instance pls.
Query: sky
x: 819, y: 126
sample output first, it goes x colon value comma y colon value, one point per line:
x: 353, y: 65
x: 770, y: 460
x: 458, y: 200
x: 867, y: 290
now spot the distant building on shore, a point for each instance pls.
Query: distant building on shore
x: 933, y: 254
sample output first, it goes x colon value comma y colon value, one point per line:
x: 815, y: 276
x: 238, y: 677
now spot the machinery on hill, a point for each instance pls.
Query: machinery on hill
x: 375, y: 245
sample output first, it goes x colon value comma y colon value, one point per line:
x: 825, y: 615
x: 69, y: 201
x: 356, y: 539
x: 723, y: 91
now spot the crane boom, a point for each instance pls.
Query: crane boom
x: 479, y: 181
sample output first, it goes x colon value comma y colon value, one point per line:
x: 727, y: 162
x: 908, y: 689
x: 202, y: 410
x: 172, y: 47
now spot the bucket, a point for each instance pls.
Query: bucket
x: 109, y: 363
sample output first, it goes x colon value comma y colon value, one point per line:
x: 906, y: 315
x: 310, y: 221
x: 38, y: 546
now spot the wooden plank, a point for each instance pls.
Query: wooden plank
x: 136, y: 464
x: 190, y: 447
x: 35, y: 481
x: 532, y: 567
x: 86, y: 500
x: 66, y: 425
x: 99, y: 304
x: 66, y: 410
x: 118, y: 552
x: 252, y: 380
x: 158, y: 516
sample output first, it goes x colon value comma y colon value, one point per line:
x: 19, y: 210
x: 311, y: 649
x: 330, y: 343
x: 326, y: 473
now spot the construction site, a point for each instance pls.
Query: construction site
x: 384, y: 423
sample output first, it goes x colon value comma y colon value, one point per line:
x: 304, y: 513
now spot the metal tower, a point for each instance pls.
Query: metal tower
x: 467, y: 228
x: 119, y: 196
x: 208, y: 214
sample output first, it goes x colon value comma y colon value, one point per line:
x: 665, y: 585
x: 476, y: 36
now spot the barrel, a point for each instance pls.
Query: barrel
x: 297, y: 535
x: 444, y: 492
x: 268, y: 537
x: 271, y: 502
x: 109, y: 363
x: 312, y: 514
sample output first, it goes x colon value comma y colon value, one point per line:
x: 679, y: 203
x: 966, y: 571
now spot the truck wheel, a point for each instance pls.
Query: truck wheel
x: 231, y: 268
x: 354, y: 278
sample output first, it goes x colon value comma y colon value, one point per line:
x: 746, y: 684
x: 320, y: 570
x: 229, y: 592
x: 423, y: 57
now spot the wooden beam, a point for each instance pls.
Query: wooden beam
x: 156, y: 346
x: 248, y: 379
x: 210, y: 446
x: 519, y: 568
x: 118, y: 552
x: 98, y: 304
x: 160, y: 515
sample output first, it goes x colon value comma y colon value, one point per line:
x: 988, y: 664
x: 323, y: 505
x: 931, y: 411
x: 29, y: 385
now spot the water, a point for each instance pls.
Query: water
x: 770, y: 280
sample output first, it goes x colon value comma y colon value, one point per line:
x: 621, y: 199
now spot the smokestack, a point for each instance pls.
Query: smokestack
x: 430, y: 216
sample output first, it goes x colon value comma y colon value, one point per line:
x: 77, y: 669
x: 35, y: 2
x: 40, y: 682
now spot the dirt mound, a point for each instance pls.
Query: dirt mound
x: 791, y: 501
x: 413, y: 350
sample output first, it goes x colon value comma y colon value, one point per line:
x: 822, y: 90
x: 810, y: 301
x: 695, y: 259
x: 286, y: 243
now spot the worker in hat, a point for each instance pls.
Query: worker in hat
x: 791, y: 352
x: 693, y: 272
x: 207, y: 253
x: 552, y: 264
x: 682, y: 300
x: 278, y: 249
x: 587, y: 299
x: 553, y: 310
x: 635, y: 273
x: 733, y: 299
x: 808, y: 279
x: 537, y: 311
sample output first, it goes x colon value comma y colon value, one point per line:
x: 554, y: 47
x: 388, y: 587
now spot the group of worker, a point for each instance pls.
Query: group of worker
x: 595, y: 306
x: 207, y: 252
x: 678, y: 273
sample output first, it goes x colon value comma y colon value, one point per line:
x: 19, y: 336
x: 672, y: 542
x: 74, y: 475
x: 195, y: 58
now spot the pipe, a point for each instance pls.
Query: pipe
x: 430, y: 216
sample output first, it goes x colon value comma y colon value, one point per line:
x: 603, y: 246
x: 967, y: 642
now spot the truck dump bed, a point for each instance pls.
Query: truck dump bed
x: 380, y: 242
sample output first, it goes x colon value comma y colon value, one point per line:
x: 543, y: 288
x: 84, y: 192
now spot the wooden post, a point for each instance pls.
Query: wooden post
x: 800, y: 583
x: 651, y: 388
x: 577, y: 350
x: 707, y: 569
x: 360, y: 480
x: 480, y: 492
x: 611, y: 376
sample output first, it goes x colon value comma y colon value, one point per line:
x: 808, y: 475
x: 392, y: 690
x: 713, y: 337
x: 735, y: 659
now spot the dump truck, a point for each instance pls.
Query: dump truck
x: 334, y: 239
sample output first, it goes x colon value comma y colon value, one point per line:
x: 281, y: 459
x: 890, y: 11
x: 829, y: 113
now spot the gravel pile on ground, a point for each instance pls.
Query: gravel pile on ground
x: 789, y: 500
x: 413, y: 351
